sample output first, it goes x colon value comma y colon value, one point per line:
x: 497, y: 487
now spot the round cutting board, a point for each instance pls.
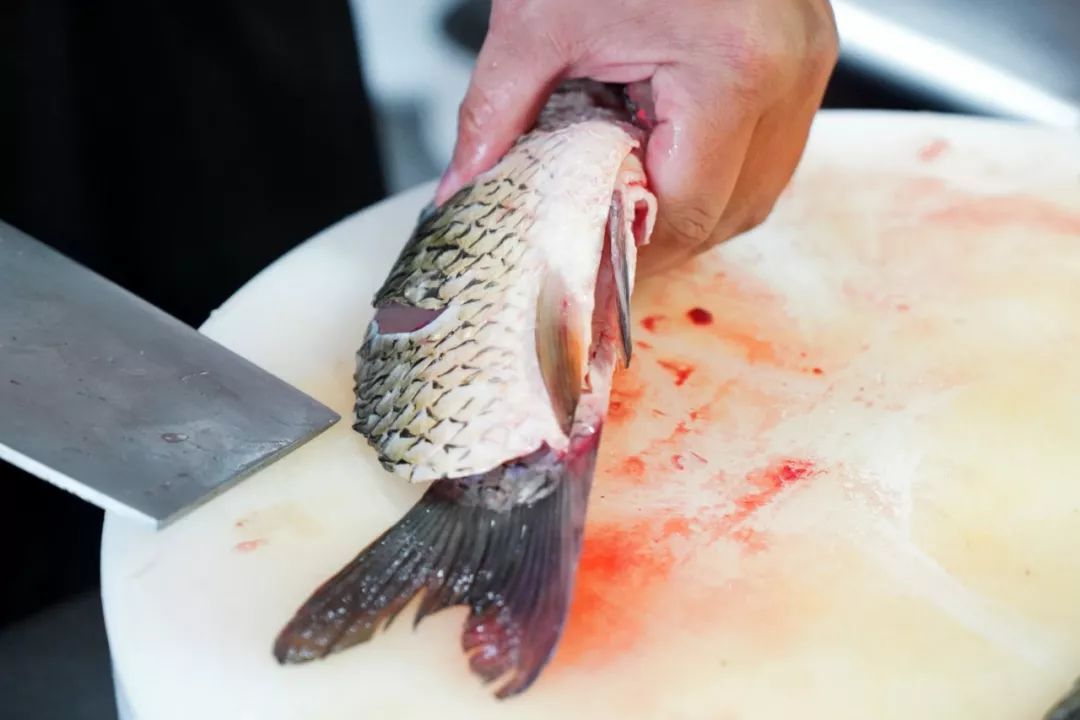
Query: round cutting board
x: 841, y: 478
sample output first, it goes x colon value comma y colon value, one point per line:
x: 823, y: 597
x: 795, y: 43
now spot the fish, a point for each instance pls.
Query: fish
x: 485, y: 375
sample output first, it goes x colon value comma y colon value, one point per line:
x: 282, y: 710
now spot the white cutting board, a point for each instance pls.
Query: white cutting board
x: 854, y: 493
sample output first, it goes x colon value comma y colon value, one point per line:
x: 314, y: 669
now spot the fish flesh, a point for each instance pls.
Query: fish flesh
x: 485, y: 373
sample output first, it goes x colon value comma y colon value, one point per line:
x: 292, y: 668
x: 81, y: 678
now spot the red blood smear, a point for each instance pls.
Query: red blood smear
x: 677, y: 525
x: 999, y: 211
x: 633, y: 468
x: 933, y: 150
x: 626, y: 565
x: 643, y: 345
x: 622, y: 566
x: 772, y: 480
x: 699, y: 316
x: 682, y: 371
x: 649, y: 322
x: 626, y: 392
x: 249, y: 545
x: 818, y: 371
x: 777, y: 476
x: 676, y: 460
x: 750, y: 538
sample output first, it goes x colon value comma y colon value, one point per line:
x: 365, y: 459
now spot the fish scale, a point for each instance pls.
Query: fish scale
x: 487, y: 369
x: 469, y: 266
x: 475, y: 262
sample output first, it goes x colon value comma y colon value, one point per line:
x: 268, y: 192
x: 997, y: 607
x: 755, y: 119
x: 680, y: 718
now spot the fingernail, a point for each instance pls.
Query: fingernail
x: 448, y: 185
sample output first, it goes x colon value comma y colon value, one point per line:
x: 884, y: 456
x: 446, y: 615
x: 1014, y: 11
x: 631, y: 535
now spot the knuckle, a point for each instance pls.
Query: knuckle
x: 752, y: 60
x: 691, y: 225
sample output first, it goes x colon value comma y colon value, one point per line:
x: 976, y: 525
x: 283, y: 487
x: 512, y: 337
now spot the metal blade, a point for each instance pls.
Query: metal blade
x: 112, y: 399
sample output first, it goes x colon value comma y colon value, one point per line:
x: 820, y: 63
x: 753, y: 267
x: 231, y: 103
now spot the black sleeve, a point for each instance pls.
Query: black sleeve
x: 177, y: 147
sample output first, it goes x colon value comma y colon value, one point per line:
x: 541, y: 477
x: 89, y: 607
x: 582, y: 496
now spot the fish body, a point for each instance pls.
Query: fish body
x: 486, y: 372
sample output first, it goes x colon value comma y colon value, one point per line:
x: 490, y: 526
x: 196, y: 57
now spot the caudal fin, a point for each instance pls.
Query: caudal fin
x: 513, y: 567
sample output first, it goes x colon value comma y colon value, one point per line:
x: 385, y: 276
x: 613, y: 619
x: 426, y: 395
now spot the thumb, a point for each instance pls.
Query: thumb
x: 511, y: 81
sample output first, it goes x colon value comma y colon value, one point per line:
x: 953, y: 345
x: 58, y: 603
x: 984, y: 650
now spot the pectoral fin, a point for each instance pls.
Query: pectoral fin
x: 560, y: 350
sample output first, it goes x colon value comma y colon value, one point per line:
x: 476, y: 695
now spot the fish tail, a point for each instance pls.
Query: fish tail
x: 513, y: 568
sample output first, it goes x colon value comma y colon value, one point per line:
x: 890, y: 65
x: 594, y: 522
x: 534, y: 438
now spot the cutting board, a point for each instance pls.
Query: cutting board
x: 841, y: 478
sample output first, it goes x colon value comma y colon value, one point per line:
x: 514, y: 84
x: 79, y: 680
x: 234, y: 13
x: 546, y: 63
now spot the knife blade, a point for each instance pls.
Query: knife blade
x: 109, y: 397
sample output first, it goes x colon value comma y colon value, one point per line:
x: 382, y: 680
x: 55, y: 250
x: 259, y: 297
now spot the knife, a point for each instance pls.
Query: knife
x: 112, y: 399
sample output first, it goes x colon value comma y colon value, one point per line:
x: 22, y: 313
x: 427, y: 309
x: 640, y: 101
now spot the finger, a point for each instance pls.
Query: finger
x: 773, y: 156
x: 513, y: 77
x: 693, y: 159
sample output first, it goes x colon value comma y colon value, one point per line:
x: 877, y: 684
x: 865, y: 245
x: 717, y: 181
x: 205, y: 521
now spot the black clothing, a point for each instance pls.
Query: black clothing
x: 176, y: 147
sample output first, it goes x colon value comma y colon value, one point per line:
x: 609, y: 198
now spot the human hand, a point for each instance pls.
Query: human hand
x: 733, y: 87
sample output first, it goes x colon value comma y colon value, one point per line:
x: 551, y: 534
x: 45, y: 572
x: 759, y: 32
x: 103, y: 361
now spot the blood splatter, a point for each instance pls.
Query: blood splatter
x: 817, y: 371
x: 770, y: 482
x: 699, y: 316
x: 682, y: 371
x: 650, y: 322
x: 677, y: 461
x: 780, y: 474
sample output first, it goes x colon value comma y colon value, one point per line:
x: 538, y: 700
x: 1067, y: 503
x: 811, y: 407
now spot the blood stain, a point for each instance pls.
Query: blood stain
x: 677, y: 525
x: 750, y: 538
x: 650, y: 321
x: 627, y: 389
x: 633, y: 467
x: 643, y: 345
x: 933, y: 150
x: 996, y: 211
x: 770, y: 481
x: 757, y: 351
x: 682, y: 371
x: 626, y: 565
x: 699, y: 316
x: 249, y: 545
x: 818, y: 371
x: 676, y: 460
x: 622, y: 565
